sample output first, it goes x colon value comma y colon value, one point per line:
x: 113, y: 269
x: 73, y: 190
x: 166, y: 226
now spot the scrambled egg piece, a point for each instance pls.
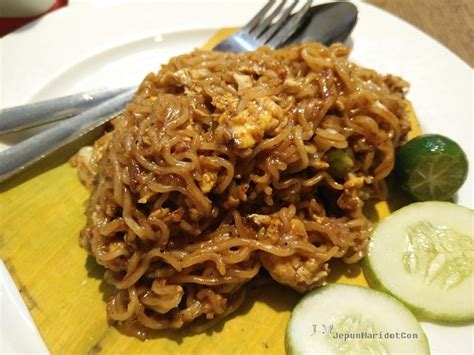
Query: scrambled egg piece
x: 300, y: 272
x: 226, y: 102
x: 208, y: 181
x: 296, y: 271
x: 243, y: 81
x: 249, y: 126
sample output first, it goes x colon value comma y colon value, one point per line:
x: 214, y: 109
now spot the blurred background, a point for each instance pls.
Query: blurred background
x: 451, y: 22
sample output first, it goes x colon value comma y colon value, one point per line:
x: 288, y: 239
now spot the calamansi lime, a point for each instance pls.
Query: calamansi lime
x: 431, y: 167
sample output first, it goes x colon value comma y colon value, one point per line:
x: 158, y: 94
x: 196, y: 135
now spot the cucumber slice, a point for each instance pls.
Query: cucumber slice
x: 351, y: 319
x: 423, y: 254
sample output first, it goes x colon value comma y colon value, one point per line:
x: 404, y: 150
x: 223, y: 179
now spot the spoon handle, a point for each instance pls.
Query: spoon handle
x: 17, y: 118
x: 25, y: 153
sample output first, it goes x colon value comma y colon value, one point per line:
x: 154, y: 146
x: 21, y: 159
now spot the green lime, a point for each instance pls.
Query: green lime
x: 431, y: 167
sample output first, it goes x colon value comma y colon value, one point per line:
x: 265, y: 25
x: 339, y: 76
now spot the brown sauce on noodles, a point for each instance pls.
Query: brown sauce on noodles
x: 219, y: 167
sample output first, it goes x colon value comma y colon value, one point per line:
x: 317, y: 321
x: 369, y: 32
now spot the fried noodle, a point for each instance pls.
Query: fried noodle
x: 220, y: 166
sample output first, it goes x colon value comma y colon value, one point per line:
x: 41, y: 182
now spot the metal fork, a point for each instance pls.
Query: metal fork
x: 260, y: 31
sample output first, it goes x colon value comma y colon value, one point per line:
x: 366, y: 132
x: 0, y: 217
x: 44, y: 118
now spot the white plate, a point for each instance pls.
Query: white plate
x: 85, y: 47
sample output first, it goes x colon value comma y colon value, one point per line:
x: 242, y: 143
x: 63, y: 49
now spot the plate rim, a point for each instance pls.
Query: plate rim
x: 61, y: 13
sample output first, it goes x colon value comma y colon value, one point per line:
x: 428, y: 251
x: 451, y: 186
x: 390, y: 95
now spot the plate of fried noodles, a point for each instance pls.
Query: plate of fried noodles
x: 228, y: 187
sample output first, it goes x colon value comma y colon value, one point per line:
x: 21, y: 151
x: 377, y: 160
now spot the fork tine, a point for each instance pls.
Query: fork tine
x: 277, y: 25
x: 256, y: 19
x: 263, y: 25
x: 290, y: 27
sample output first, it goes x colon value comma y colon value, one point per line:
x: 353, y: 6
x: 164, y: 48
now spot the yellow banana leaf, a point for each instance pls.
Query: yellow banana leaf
x: 41, y: 215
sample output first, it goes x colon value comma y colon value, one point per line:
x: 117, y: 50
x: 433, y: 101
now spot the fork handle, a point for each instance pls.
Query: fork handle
x: 21, y: 117
x: 25, y: 153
